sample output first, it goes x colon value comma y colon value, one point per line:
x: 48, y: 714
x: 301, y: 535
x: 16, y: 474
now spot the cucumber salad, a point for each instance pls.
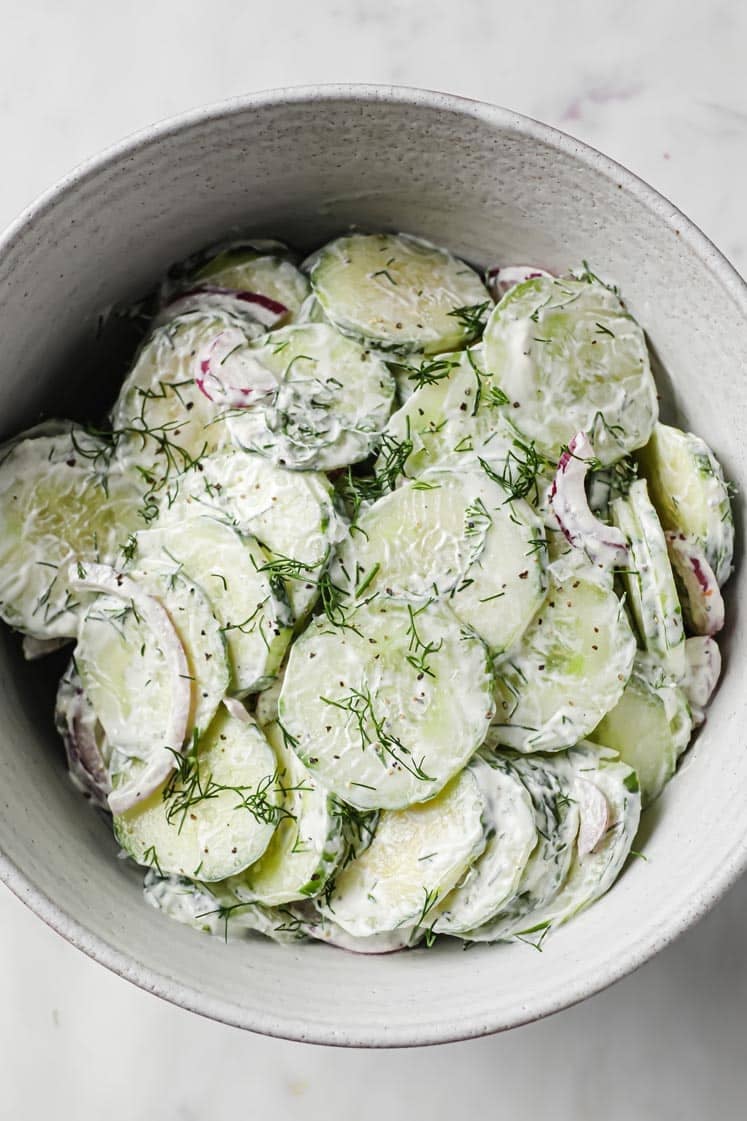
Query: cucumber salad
x: 383, y: 600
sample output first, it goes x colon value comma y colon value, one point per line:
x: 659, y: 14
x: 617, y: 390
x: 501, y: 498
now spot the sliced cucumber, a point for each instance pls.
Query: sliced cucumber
x: 451, y: 534
x: 511, y: 836
x: 323, y: 929
x: 211, y: 910
x: 291, y: 513
x: 331, y: 406
x: 454, y: 417
x: 216, y: 814
x: 307, y: 844
x: 549, y: 783
x: 399, y: 293
x: 250, y: 606
x: 200, y: 633
x: 163, y: 423
x: 416, y: 857
x: 592, y: 873
x: 703, y: 671
x: 652, y: 593
x: 60, y: 501
x: 247, y: 267
x: 86, y: 747
x: 571, y: 359
x: 687, y: 488
x: 386, y: 709
x: 649, y: 727
x: 568, y: 670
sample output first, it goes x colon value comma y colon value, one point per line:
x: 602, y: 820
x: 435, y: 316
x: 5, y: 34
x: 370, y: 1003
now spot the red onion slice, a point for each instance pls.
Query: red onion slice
x: 704, y: 603
x: 107, y: 581
x: 264, y: 310
x: 604, y: 545
x: 502, y: 280
x: 228, y: 375
x: 594, y: 816
x: 82, y: 736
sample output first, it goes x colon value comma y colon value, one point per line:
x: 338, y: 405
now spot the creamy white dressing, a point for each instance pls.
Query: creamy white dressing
x: 402, y: 599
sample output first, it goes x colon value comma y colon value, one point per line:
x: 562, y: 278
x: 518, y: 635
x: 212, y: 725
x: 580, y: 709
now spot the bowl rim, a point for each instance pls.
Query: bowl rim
x: 534, y: 1007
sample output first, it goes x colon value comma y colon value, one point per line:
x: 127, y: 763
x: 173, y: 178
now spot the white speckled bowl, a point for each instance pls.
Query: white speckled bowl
x: 303, y: 164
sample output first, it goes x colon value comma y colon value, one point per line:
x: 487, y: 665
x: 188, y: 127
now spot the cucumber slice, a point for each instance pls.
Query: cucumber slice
x: 307, y: 844
x: 249, y: 604
x: 323, y: 929
x: 211, y: 910
x: 452, y: 419
x: 549, y: 783
x: 512, y: 835
x: 86, y: 747
x: 687, y: 488
x: 417, y: 856
x: 568, y: 670
x: 291, y: 513
x: 266, y: 708
x: 703, y: 671
x: 593, y: 873
x: 331, y: 406
x: 649, y: 727
x: 571, y: 359
x: 198, y: 629
x: 386, y: 709
x: 451, y: 534
x: 216, y: 814
x: 59, y: 501
x: 247, y: 268
x: 652, y: 593
x: 399, y: 293
x: 163, y: 424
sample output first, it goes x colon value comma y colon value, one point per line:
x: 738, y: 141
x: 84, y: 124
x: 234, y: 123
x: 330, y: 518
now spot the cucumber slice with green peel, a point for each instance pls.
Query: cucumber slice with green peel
x: 291, y: 513
x: 416, y: 857
x: 250, y: 605
x: 549, y: 783
x: 453, y: 418
x: 386, y: 709
x: 323, y: 929
x: 60, y: 501
x: 332, y: 402
x: 163, y: 423
x: 649, y: 727
x: 511, y: 836
x: 453, y: 534
x: 687, y: 487
x: 571, y: 359
x: 199, y: 631
x: 218, y: 811
x: 652, y: 593
x: 569, y: 668
x: 86, y: 747
x: 592, y: 873
x: 703, y: 671
x: 246, y: 267
x: 137, y: 678
x: 211, y: 910
x: 399, y: 293
x: 307, y: 844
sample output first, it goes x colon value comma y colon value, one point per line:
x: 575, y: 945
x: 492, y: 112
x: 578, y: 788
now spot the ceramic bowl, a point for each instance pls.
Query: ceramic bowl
x: 304, y: 164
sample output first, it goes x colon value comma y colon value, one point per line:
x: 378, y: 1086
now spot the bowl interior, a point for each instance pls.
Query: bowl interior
x: 495, y: 188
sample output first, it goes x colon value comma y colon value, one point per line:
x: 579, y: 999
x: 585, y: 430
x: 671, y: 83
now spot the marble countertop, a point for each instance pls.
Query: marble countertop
x: 660, y: 87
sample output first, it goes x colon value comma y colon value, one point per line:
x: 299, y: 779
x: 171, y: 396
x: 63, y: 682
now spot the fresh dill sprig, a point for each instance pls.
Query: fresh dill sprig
x: 373, y: 733
x: 420, y: 651
x: 472, y: 317
x: 522, y: 468
x: 188, y: 787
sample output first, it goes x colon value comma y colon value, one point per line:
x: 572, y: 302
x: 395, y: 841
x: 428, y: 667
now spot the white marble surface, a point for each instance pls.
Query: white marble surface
x: 655, y: 83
